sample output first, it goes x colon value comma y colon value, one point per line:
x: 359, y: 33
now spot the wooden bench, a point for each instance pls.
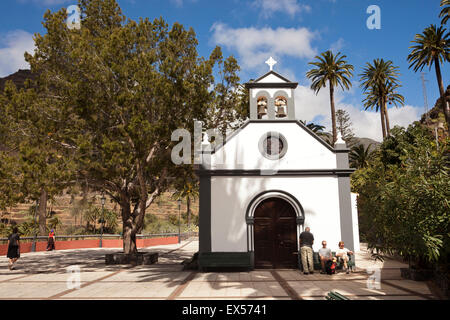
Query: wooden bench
x: 334, y: 295
x: 318, y: 266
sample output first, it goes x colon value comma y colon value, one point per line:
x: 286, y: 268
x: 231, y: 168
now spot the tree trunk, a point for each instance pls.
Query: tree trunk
x: 188, y: 204
x: 445, y: 106
x: 133, y: 221
x: 129, y: 231
x: 383, y: 121
x: 42, y: 211
x: 388, y: 130
x: 333, y: 113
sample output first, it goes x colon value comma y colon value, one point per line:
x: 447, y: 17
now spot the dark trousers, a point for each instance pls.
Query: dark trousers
x: 50, y: 244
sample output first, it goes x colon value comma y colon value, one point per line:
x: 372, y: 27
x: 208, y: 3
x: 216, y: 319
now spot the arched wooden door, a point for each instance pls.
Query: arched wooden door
x: 275, y: 234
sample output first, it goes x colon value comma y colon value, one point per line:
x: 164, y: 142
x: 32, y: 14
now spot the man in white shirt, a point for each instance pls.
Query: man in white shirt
x: 324, y: 255
x: 343, y: 253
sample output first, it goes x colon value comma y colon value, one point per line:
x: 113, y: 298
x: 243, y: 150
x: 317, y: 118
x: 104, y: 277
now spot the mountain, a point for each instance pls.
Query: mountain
x: 18, y: 78
x: 355, y: 141
x: 366, y: 142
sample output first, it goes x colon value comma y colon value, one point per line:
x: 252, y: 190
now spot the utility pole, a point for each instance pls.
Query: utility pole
x: 427, y: 116
x: 425, y: 98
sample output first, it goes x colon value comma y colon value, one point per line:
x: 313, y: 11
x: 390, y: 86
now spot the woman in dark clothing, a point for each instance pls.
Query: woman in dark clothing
x: 51, y: 241
x: 13, y: 248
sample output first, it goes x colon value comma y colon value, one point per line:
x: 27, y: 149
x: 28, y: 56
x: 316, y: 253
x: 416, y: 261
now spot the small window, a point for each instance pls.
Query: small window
x: 273, y: 145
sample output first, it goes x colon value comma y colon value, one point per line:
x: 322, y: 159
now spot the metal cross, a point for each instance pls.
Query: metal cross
x: 271, y: 62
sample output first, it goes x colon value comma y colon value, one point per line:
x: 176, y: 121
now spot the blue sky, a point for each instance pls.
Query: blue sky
x: 292, y: 31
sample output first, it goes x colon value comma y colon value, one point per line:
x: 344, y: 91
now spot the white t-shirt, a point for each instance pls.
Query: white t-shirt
x: 345, y: 250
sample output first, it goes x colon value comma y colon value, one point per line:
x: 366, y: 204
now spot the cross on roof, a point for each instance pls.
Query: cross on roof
x: 271, y: 62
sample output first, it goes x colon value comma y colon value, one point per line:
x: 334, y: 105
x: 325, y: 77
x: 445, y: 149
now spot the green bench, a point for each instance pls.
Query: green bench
x: 318, y: 266
x: 334, y: 295
x: 224, y: 260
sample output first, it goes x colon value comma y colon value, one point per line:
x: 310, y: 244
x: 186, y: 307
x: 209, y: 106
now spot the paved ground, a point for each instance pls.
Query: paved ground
x: 47, y: 275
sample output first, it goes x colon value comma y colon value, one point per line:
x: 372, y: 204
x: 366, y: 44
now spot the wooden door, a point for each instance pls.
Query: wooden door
x: 275, y: 234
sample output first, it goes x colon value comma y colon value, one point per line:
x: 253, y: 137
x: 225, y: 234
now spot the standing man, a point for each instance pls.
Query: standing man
x: 324, y: 255
x: 306, y: 251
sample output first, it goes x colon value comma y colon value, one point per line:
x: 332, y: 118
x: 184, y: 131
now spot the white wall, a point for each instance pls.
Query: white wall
x: 304, y: 151
x: 271, y: 91
x: 271, y: 78
x: 355, y: 222
x: 230, y: 197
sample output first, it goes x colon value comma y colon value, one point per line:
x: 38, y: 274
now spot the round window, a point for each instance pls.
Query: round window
x: 273, y: 145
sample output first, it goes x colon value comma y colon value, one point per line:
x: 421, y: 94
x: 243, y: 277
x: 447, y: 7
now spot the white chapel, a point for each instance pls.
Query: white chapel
x: 269, y: 180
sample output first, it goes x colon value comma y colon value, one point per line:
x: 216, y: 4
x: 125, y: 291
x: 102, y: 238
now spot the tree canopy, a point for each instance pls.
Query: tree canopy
x: 404, y: 197
x: 110, y: 95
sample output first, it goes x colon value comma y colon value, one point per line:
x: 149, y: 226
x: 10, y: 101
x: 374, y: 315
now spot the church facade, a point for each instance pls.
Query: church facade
x: 268, y: 181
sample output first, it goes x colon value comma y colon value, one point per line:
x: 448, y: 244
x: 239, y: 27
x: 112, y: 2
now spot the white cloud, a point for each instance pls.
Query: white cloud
x: 366, y: 124
x: 254, y: 46
x: 337, y: 46
x: 291, y: 7
x: 12, y: 48
x: 179, y: 3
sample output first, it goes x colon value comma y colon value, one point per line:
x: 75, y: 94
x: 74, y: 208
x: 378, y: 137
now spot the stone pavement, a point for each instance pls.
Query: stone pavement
x: 45, y: 275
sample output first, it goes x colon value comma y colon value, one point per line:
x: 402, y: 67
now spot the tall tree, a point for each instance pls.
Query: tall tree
x: 432, y: 47
x: 359, y: 156
x: 122, y: 87
x: 344, y: 126
x: 332, y: 70
x: 373, y: 100
x: 41, y: 170
x: 229, y: 104
x: 187, y: 188
x: 445, y: 12
x: 379, y: 82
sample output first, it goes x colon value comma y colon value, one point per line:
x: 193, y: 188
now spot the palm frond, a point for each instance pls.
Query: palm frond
x: 433, y: 44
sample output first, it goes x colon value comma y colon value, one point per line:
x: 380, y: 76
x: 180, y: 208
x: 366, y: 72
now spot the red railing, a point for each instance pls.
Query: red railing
x: 92, y: 241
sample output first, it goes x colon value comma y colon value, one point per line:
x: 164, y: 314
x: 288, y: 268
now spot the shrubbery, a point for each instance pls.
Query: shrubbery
x: 404, y: 196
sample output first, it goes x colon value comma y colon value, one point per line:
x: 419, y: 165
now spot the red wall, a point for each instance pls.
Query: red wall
x: 83, y: 244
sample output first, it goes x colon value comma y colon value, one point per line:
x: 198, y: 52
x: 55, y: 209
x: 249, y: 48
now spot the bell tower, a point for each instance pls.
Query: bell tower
x: 272, y: 96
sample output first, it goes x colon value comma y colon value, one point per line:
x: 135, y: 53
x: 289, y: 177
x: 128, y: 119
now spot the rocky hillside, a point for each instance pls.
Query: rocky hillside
x: 65, y: 206
x: 17, y: 78
x: 435, y: 118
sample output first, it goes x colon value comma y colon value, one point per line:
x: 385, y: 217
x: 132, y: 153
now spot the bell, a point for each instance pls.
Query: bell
x: 281, y: 111
x: 262, y: 109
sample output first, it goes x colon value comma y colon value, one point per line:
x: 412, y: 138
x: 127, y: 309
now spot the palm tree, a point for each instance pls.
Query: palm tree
x: 432, y: 47
x: 373, y: 99
x: 392, y: 97
x: 445, y: 12
x: 334, y: 70
x: 316, y: 128
x: 360, y: 156
x: 189, y: 190
x: 378, y: 82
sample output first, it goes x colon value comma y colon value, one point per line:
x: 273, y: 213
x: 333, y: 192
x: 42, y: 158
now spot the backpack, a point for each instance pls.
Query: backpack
x: 330, y: 267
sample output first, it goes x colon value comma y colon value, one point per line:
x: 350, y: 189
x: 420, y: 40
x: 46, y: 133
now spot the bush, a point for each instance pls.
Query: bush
x: 156, y: 225
x: 403, y: 199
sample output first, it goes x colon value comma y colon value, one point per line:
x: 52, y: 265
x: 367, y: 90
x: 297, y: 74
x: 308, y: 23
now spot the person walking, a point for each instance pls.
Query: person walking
x: 51, y: 241
x: 13, y: 248
x: 306, y: 251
